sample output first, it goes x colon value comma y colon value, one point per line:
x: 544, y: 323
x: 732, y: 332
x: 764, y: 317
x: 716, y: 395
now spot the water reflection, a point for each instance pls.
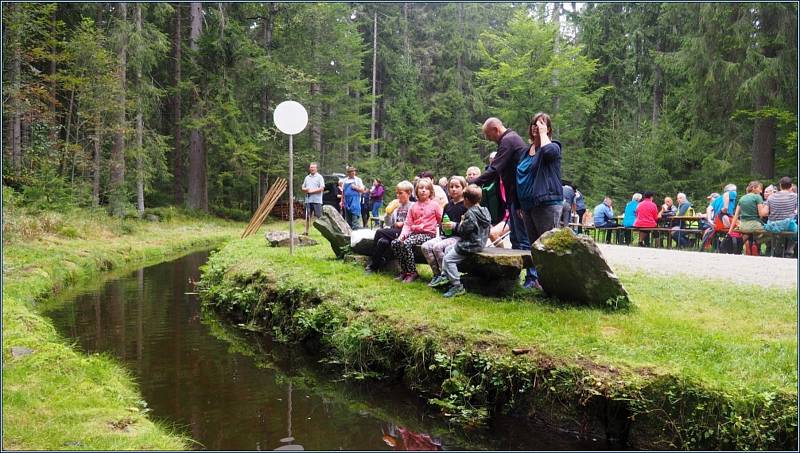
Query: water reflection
x: 402, y: 439
x: 228, y: 400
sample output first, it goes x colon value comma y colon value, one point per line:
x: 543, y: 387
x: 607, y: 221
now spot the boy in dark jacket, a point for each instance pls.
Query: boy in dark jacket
x: 473, y: 231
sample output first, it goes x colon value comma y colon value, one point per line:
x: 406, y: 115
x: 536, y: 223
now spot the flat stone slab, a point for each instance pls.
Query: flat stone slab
x: 572, y: 268
x: 281, y: 239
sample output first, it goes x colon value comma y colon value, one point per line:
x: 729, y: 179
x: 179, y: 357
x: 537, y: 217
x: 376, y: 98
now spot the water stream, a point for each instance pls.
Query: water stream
x: 194, y: 376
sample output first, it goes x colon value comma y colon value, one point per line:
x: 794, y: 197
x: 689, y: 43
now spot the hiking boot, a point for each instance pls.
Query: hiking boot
x: 439, y: 280
x: 410, y: 277
x: 455, y: 290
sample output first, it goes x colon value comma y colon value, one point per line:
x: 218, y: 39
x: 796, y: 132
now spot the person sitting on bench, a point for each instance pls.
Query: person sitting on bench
x: 604, y: 217
x: 473, y: 231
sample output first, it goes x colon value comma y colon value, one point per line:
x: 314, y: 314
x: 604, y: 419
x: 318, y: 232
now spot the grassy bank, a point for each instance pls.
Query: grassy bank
x: 694, y: 364
x: 55, y: 397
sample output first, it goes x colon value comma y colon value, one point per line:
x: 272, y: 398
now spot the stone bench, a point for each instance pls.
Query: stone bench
x: 570, y: 267
x: 492, y: 271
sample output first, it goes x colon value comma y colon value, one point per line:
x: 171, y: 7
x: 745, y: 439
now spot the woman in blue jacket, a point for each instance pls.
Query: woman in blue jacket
x: 539, y: 187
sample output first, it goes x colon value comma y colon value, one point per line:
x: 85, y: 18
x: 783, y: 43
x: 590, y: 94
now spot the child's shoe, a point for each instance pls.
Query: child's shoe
x: 455, y: 290
x: 439, y: 280
x: 410, y: 277
x: 400, y: 277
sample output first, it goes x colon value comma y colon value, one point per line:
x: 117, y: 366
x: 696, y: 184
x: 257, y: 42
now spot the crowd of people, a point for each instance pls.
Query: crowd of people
x: 518, y: 196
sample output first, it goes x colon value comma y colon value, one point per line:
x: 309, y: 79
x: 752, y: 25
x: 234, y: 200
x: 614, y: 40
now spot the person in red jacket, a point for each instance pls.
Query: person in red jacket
x: 646, y: 217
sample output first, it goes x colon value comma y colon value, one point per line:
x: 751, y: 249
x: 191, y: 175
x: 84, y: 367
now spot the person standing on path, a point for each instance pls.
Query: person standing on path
x: 510, y: 148
x: 376, y: 197
x: 313, y: 186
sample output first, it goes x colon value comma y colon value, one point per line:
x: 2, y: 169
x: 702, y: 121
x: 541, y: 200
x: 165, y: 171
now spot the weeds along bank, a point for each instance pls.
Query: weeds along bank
x: 55, y: 397
x: 693, y: 365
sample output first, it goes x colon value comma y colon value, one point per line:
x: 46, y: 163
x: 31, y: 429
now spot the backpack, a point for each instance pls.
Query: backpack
x: 491, y: 200
x: 731, y: 245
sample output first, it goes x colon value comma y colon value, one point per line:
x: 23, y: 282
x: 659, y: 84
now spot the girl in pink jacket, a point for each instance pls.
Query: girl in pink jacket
x: 422, y: 224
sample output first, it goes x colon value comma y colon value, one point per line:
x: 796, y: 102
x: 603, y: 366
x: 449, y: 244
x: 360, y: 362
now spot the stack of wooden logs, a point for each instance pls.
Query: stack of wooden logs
x: 270, y: 198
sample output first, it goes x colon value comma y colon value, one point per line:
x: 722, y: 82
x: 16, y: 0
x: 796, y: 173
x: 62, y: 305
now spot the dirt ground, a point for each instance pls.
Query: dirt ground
x: 756, y: 270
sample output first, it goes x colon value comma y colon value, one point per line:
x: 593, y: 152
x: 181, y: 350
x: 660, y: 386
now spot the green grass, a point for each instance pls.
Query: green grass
x: 56, y: 397
x: 726, y: 337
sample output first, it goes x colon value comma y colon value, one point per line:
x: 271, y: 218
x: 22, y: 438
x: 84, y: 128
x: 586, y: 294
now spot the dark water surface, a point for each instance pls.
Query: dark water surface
x: 227, y: 398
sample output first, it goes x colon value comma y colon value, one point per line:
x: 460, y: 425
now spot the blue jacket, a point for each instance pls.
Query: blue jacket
x: 539, y: 177
x: 630, y: 214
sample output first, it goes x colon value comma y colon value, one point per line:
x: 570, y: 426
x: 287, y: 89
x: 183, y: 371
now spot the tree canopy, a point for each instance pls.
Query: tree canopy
x: 128, y: 105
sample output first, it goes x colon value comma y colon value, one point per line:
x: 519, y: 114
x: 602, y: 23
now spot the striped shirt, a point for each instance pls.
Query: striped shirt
x: 782, y: 205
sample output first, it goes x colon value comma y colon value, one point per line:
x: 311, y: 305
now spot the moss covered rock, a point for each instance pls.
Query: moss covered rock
x: 572, y: 268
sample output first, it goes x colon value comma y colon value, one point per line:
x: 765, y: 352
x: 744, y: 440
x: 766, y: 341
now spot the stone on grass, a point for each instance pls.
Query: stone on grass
x: 281, y: 239
x: 572, y: 269
x: 20, y: 351
x: 334, y: 229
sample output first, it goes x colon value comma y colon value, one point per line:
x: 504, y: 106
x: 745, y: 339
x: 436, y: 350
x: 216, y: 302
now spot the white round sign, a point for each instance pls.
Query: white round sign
x: 290, y: 117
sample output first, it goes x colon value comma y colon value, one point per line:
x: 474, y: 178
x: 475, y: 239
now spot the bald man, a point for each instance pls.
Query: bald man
x: 510, y: 147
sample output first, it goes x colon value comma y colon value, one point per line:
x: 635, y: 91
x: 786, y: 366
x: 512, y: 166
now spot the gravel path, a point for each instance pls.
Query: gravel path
x: 757, y: 270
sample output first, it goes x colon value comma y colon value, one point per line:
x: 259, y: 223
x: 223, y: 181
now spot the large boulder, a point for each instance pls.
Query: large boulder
x: 281, y: 239
x: 571, y: 268
x: 334, y: 228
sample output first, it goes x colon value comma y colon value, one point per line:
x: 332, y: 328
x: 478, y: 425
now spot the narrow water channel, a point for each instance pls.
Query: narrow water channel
x: 227, y: 398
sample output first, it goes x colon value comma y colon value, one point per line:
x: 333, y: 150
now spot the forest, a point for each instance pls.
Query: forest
x: 130, y: 106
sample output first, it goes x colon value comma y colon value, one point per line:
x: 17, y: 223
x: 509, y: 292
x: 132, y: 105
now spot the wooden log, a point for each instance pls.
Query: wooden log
x: 267, y: 204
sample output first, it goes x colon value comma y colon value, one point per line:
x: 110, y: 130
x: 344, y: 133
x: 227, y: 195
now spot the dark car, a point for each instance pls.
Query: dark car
x: 331, y: 195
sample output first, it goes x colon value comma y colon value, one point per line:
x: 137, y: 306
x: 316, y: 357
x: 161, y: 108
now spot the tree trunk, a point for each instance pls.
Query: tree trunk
x: 16, y: 120
x: 763, y: 148
x: 198, y: 194
x: 140, y: 170
x: 557, y: 10
x: 178, y: 173
x: 96, y: 166
x: 117, y: 180
x: 316, y: 121
x: 658, y: 94
x: 269, y: 23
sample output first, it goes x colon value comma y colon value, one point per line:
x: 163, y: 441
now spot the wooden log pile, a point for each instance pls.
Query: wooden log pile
x: 267, y: 204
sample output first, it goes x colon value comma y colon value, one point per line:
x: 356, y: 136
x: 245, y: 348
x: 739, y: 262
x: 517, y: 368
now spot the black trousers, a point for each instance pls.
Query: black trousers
x: 383, y: 246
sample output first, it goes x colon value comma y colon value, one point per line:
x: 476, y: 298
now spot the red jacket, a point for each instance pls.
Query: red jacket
x: 646, y: 214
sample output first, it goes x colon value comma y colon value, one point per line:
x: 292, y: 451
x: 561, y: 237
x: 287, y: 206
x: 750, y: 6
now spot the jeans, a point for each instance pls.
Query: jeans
x: 354, y: 219
x: 376, y: 206
x: 450, y: 265
x: 519, y: 237
x: 541, y: 219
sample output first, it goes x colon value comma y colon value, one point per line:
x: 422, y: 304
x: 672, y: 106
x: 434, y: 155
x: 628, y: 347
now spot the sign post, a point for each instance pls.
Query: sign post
x: 290, y: 117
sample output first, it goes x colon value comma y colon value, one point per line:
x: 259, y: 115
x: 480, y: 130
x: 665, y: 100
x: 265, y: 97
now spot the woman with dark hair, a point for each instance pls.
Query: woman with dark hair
x: 539, y: 188
x: 646, y: 217
x: 376, y: 197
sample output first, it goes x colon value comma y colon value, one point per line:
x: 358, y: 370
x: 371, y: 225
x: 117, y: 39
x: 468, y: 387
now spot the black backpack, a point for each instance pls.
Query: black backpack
x: 731, y: 245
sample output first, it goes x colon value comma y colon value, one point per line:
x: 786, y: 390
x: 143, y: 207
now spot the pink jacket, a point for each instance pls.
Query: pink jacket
x: 423, y: 217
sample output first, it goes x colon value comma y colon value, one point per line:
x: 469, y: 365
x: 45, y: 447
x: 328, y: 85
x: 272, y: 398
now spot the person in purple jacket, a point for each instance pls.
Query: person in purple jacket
x: 376, y: 197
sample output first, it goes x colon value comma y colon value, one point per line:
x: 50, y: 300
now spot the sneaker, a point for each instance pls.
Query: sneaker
x: 532, y: 284
x: 439, y: 280
x: 400, y: 277
x: 410, y: 277
x: 455, y: 290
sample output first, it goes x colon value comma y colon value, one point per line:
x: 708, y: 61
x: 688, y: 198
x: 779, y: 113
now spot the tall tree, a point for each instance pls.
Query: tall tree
x: 117, y: 163
x: 198, y: 189
x: 178, y: 164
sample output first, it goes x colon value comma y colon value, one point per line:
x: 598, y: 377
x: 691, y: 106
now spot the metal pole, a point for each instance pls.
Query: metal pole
x: 374, y: 66
x: 291, y: 198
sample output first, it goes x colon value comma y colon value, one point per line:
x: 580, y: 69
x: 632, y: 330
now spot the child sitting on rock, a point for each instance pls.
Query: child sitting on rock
x: 433, y: 250
x: 473, y: 231
x: 420, y: 226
